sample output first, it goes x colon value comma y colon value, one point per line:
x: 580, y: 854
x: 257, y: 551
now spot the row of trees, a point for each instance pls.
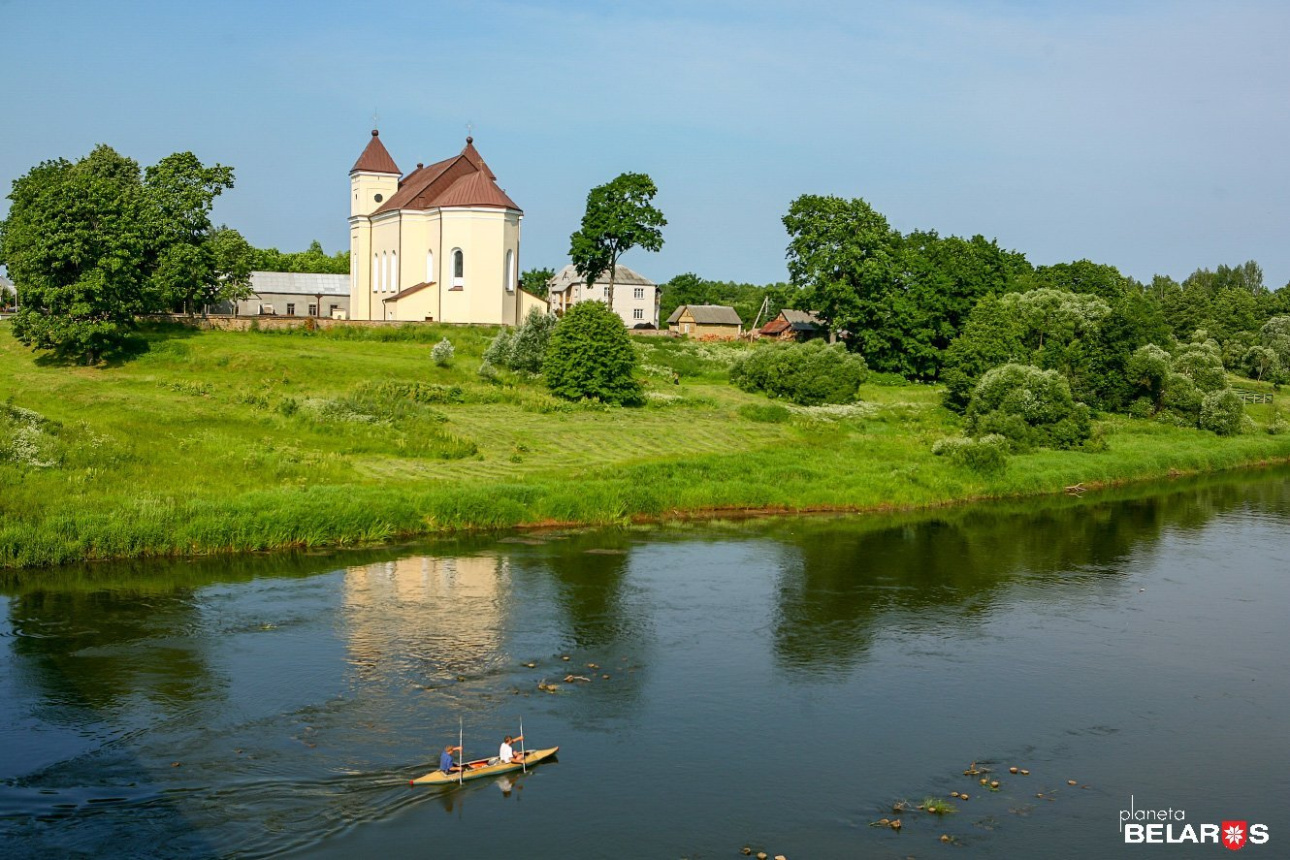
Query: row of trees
x: 92, y: 244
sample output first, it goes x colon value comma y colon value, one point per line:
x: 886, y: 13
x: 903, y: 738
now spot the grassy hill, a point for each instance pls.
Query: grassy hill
x: 219, y: 441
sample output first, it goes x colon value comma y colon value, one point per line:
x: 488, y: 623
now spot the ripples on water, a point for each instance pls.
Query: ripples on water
x: 775, y: 683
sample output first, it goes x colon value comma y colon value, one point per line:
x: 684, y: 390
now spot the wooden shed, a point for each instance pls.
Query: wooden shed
x: 710, y: 321
x: 794, y: 325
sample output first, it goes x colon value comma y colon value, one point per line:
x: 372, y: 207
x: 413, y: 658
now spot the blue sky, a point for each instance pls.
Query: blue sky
x: 1149, y: 135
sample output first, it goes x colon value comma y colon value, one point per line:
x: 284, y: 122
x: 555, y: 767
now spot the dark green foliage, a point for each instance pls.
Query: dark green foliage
x: 992, y: 336
x: 808, y: 374
x: 902, y: 298
x: 1032, y: 408
x: 92, y: 244
x: 591, y: 356
x: 534, y: 281
x: 620, y: 216
x: 765, y: 413
x: 314, y: 259
x: 746, y: 299
x: 1147, y: 372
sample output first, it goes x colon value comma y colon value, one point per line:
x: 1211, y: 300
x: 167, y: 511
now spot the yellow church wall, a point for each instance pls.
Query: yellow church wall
x: 481, y: 234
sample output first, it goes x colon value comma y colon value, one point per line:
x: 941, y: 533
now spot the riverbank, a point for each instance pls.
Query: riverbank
x: 217, y: 442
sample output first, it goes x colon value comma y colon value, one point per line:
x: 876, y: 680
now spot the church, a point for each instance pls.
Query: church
x: 440, y: 244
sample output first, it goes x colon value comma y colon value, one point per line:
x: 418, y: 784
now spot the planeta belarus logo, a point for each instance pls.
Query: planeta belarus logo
x: 1234, y: 834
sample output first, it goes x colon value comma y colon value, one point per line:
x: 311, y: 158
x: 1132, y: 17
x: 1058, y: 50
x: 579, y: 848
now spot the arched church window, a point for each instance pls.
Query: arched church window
x: 430, y: 267
x: 394, y: 271
x: 376, y: 273
x: 510, y: 271
x: 458, y: 268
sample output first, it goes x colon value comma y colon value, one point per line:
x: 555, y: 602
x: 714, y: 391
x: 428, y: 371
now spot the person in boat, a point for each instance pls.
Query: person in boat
x: 506, y: 753
x: 446, y: 764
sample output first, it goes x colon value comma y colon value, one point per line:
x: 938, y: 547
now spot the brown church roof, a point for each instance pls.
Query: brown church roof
x: 375, y: 158
x: 464, y: 180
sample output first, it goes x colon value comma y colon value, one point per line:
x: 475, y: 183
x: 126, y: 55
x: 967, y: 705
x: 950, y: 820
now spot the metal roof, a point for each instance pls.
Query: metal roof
x: 708, y: 314
x: 300, y: 283
x: 623, y: 276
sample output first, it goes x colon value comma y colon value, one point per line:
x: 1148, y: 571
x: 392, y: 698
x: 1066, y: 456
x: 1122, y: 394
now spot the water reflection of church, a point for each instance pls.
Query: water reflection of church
x: 444, y: 616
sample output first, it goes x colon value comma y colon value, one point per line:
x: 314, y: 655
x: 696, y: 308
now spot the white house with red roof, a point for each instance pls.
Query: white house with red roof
x: 441, y: 243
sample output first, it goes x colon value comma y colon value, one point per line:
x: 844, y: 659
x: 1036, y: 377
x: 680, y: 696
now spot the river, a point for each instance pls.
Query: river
x: 777, y: 684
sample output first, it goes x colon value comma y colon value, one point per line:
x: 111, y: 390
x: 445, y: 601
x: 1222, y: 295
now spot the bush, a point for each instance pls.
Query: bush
x: 528, y: 346
x: 443, y: 353
x: 765, y: 413
x: 1221, y: 412
x: 1182, y: 398
x: 590, y: 356
x: 986, y: 455
x: 808, y: 374
x: 1032, y: 408
x: 498, y: 353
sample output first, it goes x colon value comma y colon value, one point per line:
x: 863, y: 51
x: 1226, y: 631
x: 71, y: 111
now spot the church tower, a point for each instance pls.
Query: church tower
x: 373, y: 179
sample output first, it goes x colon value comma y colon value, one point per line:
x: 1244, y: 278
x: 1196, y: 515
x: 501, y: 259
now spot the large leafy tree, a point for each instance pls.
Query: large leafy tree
x: 92, y: 244
x: 620, y: 216
x: 590, y: 356
x: 841, y: 250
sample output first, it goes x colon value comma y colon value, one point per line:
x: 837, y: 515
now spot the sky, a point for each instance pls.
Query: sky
x: 1152, y: 136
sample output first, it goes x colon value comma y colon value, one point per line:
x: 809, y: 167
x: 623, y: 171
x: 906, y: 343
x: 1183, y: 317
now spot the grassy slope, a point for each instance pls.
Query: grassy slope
x: 217, y: 441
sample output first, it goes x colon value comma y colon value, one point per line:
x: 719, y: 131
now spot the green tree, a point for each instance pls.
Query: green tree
x: 842, y: 251
x: 311, y: 260
x: 1030, y: 407
x: 94, y: 243
x: 534, y: 281
x: 78, y: 245
x: 591, y: 356
x: 620, y: 216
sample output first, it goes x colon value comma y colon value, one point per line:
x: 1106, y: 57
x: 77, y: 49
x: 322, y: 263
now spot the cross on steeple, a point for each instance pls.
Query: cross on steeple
x: 376, y: 119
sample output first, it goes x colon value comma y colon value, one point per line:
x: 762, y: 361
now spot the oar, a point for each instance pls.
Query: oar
x: 461, y: 750
x: 523, y: 764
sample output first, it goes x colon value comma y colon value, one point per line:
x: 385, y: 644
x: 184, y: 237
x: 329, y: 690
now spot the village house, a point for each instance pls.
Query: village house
x: 293, y: 294
x: 441, y: 243
x: 706, y: 321
x: 794, y: 325
x: 636, y: 297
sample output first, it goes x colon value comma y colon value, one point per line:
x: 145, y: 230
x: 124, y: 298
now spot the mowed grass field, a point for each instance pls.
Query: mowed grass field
x: 220, y: 442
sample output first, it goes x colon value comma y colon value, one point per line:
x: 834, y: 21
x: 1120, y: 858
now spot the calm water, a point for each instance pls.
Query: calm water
x: 776, y: 684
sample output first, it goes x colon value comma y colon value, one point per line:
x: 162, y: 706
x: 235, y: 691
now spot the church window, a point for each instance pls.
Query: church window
x: 394, y: 271
x: 430, y: 279
x: 510, y: 271
x: 458, y: 269
x: 379, y: 198
x: 376, y: 272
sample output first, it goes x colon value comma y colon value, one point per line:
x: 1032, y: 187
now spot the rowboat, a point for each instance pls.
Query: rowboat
x: 486, y: 767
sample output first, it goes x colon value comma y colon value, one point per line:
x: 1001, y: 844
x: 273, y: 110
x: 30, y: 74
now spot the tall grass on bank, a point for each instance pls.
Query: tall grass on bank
x: 221, y: 442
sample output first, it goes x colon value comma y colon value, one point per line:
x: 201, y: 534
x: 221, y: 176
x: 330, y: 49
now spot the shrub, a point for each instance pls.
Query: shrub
x: 498, y: 353
x: 987, y: 455
x: 529, y: 344
x: 443, y: 353
x: 1221, y: 412
x: 590, y: 356
x: 807, y: 374
x: 765, y: 413
x: 1181, y: 397
x: 1031, y: 407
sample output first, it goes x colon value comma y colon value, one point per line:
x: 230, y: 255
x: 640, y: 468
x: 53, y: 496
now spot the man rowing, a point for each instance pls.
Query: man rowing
x: 446, y: 764
x: 505, y: 753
